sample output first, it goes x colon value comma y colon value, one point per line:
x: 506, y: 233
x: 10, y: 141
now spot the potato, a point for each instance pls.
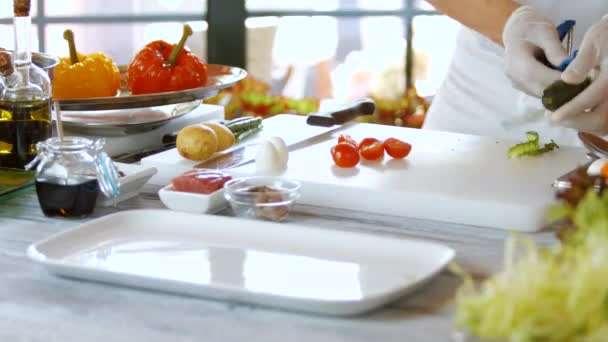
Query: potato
x: 225, y: 138
x: 196, y: 142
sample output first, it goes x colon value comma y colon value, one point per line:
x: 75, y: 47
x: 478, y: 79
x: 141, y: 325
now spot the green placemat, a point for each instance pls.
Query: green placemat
x: 14, y: 179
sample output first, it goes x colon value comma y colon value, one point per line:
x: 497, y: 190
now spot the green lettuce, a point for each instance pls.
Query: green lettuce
x: 556, y: 293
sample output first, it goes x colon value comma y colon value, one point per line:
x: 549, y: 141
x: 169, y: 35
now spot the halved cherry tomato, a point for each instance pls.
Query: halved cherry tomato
x: 345, y: 155
x: 373, y: 151
x: 345, y: 138
x: 397, y: 148
x: 366, y: 142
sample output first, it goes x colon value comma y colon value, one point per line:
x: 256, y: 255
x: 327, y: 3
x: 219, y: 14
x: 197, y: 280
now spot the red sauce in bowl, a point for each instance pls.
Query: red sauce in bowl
x: 200, y: 181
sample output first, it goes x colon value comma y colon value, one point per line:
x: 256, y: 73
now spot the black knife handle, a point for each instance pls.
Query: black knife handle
x: 169, y: 139
x: 343, y: 114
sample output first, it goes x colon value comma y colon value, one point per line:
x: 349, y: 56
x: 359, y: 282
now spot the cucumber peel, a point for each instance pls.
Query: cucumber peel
x: 531, y: 147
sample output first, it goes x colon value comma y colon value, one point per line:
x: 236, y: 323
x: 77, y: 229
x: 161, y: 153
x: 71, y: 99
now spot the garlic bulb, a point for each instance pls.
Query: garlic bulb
x: 281, y: 147
x: 272, y: 156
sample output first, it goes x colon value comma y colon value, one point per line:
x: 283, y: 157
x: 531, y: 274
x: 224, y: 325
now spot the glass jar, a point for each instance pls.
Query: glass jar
x: 70, y: 175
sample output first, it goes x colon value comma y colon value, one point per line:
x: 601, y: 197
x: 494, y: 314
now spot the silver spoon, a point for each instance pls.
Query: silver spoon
x: 595, y: 144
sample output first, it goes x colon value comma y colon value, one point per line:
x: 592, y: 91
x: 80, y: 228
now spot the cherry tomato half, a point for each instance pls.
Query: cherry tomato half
x: 366, y: 142
x: 397, y: 148
x: 345, y: 138
x: 373, y: 151
x: 345, y: 155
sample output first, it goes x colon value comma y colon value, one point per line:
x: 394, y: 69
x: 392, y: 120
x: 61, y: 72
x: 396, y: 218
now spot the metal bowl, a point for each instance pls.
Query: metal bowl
x: 44, y: 61
x: 220, y: 77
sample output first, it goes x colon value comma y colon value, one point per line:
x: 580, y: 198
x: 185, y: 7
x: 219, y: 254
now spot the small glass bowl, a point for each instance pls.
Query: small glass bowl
x: 268, y: 198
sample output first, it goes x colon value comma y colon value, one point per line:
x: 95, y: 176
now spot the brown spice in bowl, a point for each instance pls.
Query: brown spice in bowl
x: 266, y: 194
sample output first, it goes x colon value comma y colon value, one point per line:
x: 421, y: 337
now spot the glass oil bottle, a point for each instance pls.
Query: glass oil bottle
x: 25, y: 97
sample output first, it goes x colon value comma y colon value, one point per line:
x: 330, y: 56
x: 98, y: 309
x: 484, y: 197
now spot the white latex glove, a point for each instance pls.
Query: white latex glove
x: 527, y: 36
x: 588, y: 111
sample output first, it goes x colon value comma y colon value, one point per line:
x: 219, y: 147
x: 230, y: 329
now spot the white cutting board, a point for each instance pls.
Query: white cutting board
x: 447, y: 177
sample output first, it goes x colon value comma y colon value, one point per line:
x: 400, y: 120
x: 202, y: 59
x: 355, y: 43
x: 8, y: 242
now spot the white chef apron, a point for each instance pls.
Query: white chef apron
x: 477, y: 97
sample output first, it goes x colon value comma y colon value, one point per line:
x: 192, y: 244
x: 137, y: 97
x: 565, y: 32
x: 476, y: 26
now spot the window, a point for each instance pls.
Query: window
x: 116, y: 27
x: 350, y: 48
x: 333, y: 48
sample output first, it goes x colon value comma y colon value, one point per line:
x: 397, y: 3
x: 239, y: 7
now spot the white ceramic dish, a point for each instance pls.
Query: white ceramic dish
x: 134, y: 179
x: 192, y: 202
x: 286, y: 266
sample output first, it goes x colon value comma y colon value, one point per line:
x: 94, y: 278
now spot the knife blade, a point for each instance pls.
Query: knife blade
x: 317, y: 125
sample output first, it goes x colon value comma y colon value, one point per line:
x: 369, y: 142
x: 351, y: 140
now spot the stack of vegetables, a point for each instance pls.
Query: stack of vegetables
x: 251, y: 97
x: 164, y: 67
x: 557, y: 293
x: 409, y: 110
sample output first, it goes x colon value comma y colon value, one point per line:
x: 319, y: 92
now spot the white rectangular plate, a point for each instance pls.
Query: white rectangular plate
x: 291, y: 267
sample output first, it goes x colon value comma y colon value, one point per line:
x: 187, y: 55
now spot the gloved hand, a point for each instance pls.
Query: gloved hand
x: 527, y: 36
x: 588, y: 111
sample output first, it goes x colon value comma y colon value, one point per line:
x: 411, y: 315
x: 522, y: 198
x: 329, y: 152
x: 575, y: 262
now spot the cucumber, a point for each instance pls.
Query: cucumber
x: 243, y: 125
x: 244, y: 122
x: 246, y: 134
x: 560, y: 92
x: 233, y: 121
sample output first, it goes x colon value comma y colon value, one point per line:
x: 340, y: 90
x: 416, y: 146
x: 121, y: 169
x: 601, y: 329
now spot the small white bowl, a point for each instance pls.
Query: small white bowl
x: 135, y: 177
x: 191, y: 202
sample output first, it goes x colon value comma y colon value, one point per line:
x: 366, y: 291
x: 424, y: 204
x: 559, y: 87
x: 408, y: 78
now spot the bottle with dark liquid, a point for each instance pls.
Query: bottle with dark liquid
x: 25, y: 93
x: 70, y: 174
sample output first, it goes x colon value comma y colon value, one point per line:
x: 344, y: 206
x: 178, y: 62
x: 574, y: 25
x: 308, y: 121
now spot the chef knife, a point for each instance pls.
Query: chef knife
x: 340, y: 115
x: 317, y: 124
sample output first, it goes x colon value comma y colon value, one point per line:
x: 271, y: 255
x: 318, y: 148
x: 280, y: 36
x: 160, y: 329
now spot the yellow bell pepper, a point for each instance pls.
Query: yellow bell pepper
x: 84, y: 76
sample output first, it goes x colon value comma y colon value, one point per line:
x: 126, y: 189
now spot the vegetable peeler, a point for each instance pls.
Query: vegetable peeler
x: 565, y: 31
x: 559, y: 92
